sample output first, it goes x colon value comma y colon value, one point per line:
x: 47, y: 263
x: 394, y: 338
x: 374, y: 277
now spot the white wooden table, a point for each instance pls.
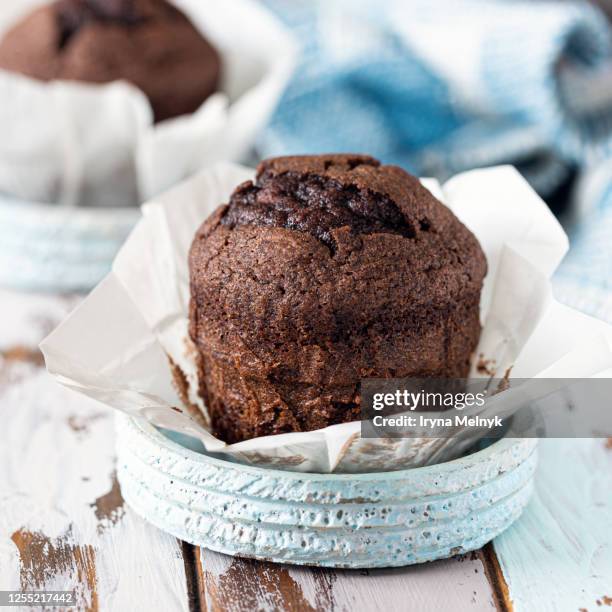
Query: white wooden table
x: 63, y: 523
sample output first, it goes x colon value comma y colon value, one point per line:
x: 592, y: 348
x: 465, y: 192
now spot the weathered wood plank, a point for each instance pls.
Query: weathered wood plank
x: 239, y: 585
x: 63, y: 524
x: 495, y: 576
x: 559, y: 555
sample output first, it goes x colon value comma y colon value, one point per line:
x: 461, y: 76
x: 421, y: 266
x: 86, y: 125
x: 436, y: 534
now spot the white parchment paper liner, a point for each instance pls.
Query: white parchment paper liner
x: 73, y: 143
x: 114, y: 347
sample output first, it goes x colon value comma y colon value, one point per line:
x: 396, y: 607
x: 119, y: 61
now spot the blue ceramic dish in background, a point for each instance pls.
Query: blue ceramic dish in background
x: 56, y: 248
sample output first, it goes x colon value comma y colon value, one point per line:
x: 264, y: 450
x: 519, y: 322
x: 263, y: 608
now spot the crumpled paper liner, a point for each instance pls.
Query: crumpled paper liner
x: 115, y: 347
x: 96, y: 145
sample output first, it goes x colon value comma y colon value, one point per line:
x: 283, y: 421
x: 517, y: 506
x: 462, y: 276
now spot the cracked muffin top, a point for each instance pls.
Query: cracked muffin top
x: 354, y: 203
x: 321, y: 248
x: 149, y: 43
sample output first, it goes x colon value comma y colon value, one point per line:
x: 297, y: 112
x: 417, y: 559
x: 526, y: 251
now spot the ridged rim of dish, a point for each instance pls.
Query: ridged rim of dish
x: 422, y: 511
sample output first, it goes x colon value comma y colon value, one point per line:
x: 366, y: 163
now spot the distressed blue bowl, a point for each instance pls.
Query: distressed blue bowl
x: 332, y: 520
x: 57, y: 248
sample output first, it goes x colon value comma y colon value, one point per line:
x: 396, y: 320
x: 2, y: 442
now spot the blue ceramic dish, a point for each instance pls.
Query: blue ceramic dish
x: 56, y: 248
x: 333, y: 520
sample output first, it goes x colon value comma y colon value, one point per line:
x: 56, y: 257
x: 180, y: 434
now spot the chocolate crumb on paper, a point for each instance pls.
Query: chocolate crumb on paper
x: 485, y: 366
x: 181, y: 384
x: 504, y: 383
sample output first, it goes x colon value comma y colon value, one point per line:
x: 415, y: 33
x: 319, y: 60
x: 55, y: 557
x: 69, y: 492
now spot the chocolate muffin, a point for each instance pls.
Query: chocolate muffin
x: 326, y: 270
x: 149, y: 43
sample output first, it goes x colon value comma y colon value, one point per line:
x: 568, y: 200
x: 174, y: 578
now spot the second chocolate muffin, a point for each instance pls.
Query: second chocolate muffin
x: 326, y: 270
x: 149, y: 43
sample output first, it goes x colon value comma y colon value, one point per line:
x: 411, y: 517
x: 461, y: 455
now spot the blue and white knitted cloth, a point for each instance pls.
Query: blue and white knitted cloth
x: 442, y: 86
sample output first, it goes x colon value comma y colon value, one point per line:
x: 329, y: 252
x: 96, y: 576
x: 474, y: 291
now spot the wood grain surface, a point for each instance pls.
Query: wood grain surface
x: 559, y: 555
x: 63, y: 523
x: 238, y: 584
